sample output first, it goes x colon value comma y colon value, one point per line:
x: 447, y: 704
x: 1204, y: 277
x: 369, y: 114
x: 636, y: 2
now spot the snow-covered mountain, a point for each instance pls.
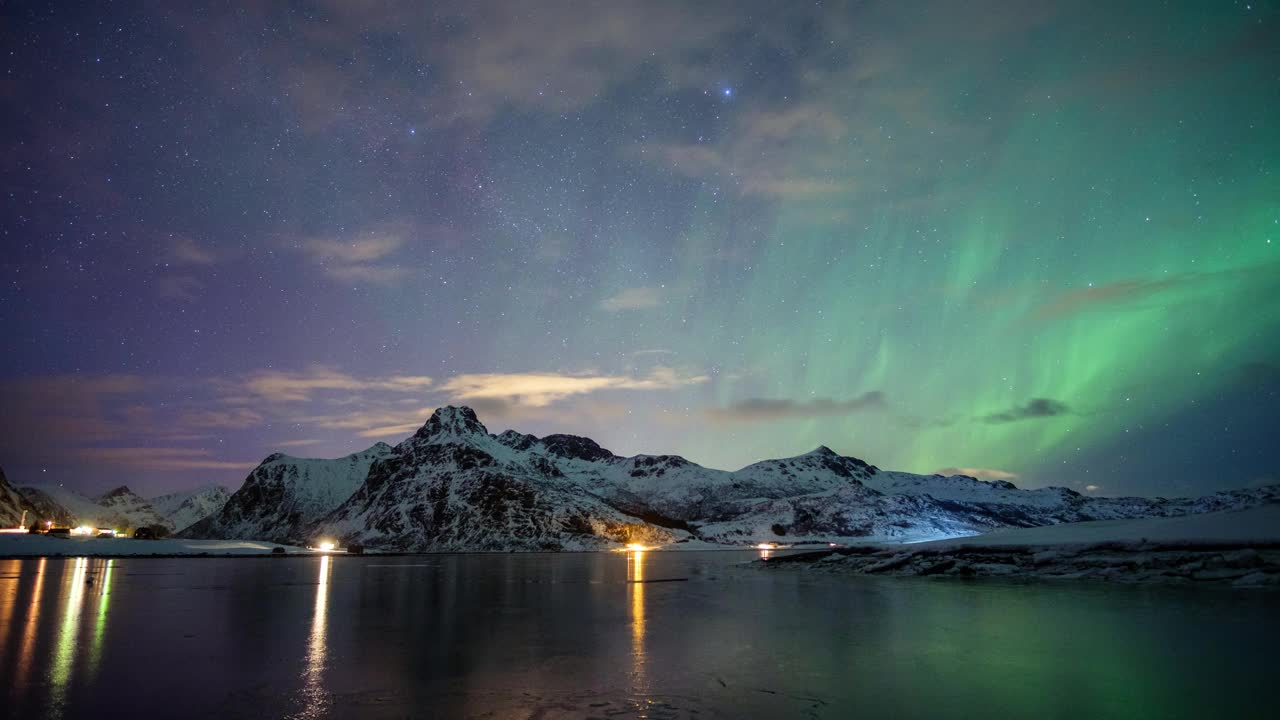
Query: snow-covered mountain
x: 65, y: 506
x: 121, y: 508
x: 131, y: 509
x: 12, y: 503
x: 454, y: 486
x: 285, y: 494
x: 186, y: 508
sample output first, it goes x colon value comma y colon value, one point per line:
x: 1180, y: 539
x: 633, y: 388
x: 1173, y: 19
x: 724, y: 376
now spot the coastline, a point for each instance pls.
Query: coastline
x: 1241, y: 549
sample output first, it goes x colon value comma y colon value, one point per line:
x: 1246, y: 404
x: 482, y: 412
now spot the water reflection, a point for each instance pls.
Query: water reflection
x: 8, y: 601
x: 100, y: 623
x: 67, y: 632
x: 315, y: 700
x: 635, y: 580
x: 29, y: 630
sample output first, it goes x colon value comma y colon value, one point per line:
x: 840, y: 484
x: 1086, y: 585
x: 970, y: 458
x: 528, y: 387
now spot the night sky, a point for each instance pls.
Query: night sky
x: 1032, y: 240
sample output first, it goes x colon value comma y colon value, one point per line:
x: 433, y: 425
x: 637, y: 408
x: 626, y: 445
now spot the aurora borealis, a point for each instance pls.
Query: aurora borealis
x: 1030, y: 240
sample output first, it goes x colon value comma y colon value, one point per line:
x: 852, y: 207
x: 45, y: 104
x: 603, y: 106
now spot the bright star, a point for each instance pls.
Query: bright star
x: 728, y: 92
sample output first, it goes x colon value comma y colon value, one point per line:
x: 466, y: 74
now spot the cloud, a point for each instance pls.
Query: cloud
x: 1110, y: 294
x: 280, y: 386
x: 769, y: 409
x: 367, y: 419
x: 42, y: 412
x: 1129, y: 293
x: 235, y: 418
x: 150, y: 458
x: 758, y: 159
x: 541, y: 389
x: 360, y: 250
x: 186, y: 251
x: 365, y: 257
x: 980, y: 473
x: 1035, y: 408
x: 637, y: 298
x: 1092, y: 488
x: 295, y: 443
x: 184, y: 288
x: 375, y: 274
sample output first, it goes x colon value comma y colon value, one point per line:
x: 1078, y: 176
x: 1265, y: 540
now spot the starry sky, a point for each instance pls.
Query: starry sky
x: 1024, y: 240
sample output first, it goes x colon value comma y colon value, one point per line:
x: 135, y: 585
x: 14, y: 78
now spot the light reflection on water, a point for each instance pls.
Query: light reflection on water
x: 315, y: 699
x: 29, y: 628
x: 635, y: 578
x: 100, y: 623
x: 73, y: 591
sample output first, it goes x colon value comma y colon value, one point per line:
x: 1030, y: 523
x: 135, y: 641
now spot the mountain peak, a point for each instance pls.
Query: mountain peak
x: 451, y: 422
x: 122, y: 491
x: 822, y: 450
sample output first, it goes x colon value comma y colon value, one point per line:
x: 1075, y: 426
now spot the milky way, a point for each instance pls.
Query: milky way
x: 1015, y: 240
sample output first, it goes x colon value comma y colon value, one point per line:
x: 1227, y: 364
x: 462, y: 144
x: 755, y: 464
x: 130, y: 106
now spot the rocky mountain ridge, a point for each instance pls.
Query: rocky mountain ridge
x: 454, y: 486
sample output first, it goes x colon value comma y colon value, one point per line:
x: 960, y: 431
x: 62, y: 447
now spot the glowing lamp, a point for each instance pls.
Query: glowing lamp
x: 326, y: 546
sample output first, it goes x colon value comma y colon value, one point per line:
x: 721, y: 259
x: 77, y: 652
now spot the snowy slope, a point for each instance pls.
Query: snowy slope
x: 67, y: 507
x: 284, y: 494
x: 1260, y: 524
x: 136, y: 512
x: 121, y: 508
x: 12, y: 503
x: 184, y: 509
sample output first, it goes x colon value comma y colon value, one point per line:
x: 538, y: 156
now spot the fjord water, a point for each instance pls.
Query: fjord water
x: 567, y: 636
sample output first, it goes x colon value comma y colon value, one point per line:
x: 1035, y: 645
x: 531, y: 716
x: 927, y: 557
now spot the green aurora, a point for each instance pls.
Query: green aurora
x: 1019, y: 239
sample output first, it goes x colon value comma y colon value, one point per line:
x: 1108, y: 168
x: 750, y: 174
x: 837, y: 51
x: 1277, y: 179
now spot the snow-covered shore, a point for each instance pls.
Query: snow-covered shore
x: 1241, y: 548
x: 23, y: 545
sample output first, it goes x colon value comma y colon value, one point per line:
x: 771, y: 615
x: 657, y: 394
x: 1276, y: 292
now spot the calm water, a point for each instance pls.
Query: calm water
x: 566, y: 636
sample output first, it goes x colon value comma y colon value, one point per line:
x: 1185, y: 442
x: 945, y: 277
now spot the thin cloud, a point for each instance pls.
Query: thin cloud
x: 1132, y: 292
x: 369, y: 419
x: 279, y: 386
x: 757, y: 161
x: 296, y: 443
x: 772, y: 409
x: 358, y: 250
x: 235, y: 418
x: 980, y: 473
x: 1035, y: 408
x: 184, y: 288
x: 365, y: 257
x: 375, y: 274
x: 150, y: 458
x: 390, y: 430
x: 186, y: 251
x: 637, y: 298
x: 1095, y: 296
x: 541, y: 389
